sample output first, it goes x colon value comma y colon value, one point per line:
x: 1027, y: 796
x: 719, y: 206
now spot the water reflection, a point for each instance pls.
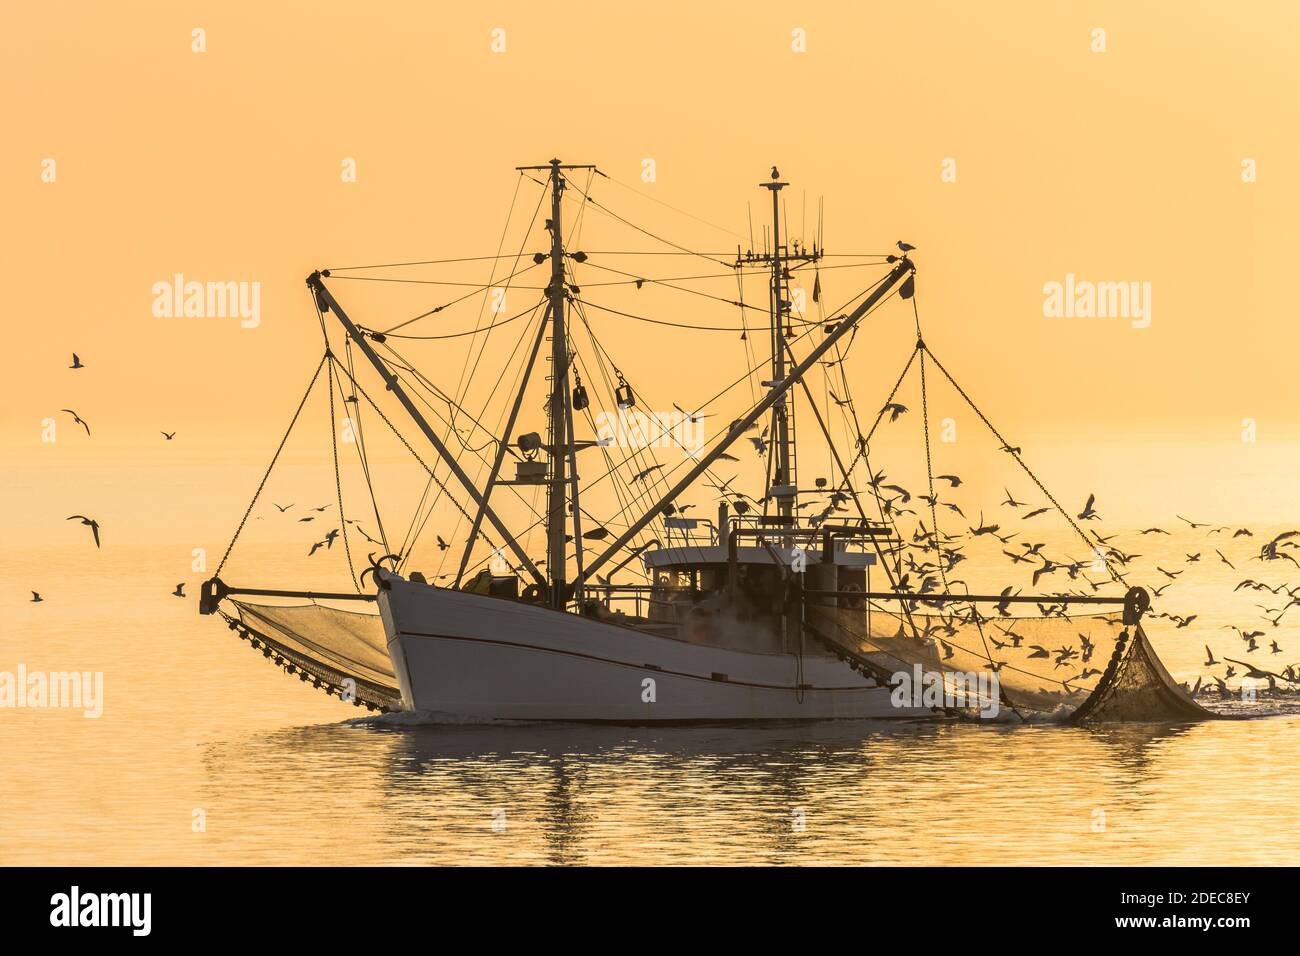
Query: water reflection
x: 848, y: 792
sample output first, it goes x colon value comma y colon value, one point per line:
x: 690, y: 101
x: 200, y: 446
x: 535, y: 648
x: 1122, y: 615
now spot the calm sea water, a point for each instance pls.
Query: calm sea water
x: 204, y: 755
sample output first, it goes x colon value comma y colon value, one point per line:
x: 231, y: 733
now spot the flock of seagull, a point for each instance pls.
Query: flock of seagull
x: 941, y: 553
x: 89, y: 522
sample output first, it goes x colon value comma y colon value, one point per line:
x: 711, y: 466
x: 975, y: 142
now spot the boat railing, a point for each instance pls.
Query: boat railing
x: 643, y: 600
x: 851, y: 534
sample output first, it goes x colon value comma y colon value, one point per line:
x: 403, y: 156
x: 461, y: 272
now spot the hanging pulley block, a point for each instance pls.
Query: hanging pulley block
x: 623, y: 394
x: 580, y: 400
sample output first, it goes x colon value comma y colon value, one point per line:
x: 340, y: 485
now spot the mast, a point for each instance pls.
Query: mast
x: 557, y: 493
x: 782, y: 483
x: 560, y: 444
x: 782, y: 476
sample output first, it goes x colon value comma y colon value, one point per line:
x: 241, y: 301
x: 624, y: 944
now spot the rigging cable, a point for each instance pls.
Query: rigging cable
x: 338, y: 480
x: 362, y: 455
x: 274, y: 458
x: 393, y: 428
x: 1116, y: 576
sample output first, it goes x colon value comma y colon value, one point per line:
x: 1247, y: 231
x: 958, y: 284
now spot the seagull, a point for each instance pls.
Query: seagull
x: 775, y: 173
x: 90, y: 523
x: 1252, y: 671
x: 442, y: 545
x: 362, y: 531
x: 1011, y: 500
x: 692, y: 417
x: 76, y: 419
x: 168, y: 435
x: 180, y: 590
x: 1047, y: 568
x: 36, y: 598
x: 329, y: 538
x: 642, y: 475
x: 76, y: 361
x: 1088, y: 513
x: 315, y: 547
x: 1243, y: 633
x: 283, y: 508
x: 905, y: 246
x: 1010, y: 449
x: 895, y: 410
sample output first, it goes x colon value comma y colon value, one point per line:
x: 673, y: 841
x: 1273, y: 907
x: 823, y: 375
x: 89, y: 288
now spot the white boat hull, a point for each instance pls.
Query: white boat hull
x: 471, y: 657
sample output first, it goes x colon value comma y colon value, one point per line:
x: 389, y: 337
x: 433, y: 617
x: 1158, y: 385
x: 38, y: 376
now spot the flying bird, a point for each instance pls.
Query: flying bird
x: 1011, y: 500
x: 168, y: 435
x: 36, y: 598
x: 180, y: 590
x: 92, y: 524
x: 1088, y: 513
x: 76, y: 361
x: 76, y: 419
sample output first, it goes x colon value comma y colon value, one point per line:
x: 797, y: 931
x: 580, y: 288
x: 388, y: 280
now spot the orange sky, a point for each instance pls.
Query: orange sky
x: 225, y: 165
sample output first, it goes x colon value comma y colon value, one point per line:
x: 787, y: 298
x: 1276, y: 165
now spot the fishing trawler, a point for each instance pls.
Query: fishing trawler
x: 763, y: 611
